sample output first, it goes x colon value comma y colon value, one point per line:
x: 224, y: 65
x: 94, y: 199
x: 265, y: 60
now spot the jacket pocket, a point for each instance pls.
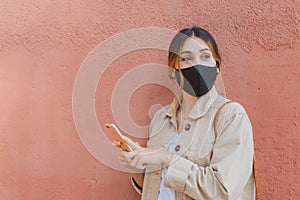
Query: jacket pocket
x: 205, y: 151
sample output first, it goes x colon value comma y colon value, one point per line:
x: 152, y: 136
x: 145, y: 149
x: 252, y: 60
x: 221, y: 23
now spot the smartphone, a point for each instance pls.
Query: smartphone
x: 118, y: 136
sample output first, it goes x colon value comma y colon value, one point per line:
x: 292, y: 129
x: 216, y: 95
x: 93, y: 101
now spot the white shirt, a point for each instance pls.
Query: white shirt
x: 166, y: 193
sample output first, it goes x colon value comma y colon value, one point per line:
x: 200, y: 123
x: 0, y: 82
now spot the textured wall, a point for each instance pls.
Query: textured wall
x: 43, y: 43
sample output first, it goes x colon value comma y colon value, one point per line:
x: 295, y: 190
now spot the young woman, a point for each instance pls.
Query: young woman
x: 200, y: 146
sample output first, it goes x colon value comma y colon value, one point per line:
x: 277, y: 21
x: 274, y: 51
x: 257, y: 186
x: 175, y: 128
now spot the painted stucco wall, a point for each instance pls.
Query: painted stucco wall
x: 43, y: 43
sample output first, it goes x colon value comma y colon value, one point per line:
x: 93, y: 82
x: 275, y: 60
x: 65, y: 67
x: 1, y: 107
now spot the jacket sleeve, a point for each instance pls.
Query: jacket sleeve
x: 230, y: 167
x: 154, y: 120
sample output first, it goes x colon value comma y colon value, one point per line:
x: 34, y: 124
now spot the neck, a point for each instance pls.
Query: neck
x: 188, y: 102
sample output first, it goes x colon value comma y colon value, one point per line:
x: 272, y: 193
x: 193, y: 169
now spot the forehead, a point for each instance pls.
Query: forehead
x: 194, y: 44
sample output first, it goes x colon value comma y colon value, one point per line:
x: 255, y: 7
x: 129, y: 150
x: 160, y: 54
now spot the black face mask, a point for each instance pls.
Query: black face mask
x: 198, y: 79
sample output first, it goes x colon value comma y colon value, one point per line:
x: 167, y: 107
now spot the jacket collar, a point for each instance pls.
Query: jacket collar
x: 199, y: 109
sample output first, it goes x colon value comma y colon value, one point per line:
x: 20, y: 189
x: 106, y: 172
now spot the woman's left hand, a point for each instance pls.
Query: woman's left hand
x: 141, y: 157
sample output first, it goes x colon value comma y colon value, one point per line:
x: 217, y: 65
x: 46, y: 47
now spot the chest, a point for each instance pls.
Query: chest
x: 196, y: 139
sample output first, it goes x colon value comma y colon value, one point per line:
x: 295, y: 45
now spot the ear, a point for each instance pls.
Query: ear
x: 172, y: 74
x: 218, y: 66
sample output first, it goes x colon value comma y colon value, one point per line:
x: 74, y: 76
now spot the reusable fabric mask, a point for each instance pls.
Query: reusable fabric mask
x: 198, y: 79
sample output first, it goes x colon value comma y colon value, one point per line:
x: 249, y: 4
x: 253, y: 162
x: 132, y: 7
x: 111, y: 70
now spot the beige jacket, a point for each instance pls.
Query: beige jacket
x: 204, y: 166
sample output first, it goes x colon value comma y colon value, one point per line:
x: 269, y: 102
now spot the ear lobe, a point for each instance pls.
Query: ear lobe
x: 172, y: 74
x: 218, y: 66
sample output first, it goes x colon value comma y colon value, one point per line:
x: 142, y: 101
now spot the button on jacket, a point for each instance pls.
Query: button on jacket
x: 204, y: 166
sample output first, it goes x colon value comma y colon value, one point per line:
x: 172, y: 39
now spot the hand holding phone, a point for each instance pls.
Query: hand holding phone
x: 118, y: 136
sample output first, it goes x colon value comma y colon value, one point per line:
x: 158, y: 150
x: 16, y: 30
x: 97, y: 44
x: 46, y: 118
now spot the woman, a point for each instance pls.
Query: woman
x: 199, y: 147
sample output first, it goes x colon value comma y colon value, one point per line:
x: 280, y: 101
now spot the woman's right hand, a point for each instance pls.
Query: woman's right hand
x: 123, y: 159
x: 138, y: 174
x: 121, y: 154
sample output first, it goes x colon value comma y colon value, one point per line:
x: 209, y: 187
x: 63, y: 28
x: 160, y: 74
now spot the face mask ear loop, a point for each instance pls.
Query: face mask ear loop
x: 181, y: 79
x: 180, y: 97
x: 181, y: 85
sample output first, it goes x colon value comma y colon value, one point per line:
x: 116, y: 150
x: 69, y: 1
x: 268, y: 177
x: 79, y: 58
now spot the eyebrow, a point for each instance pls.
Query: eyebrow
x: 205, y: 49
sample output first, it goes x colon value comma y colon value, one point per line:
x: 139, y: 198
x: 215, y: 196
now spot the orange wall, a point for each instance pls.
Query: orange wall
x: 43, y: 43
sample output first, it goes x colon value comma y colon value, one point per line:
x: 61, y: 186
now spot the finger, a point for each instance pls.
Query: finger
x: 133, y: 144
x: 130, y: 155
x: 122, y: 158
x: 141, y: 165
x: 116, y: 143
x: 124, y: 161
x: 118, y: 149
x: 126, y: 164
x: 134, y: 162
x: 117, y: 146
x: 121, y: 153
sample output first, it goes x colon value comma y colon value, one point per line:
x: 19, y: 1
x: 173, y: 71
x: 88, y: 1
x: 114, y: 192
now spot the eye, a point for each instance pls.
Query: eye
x: 205, y: 56
x: 186, y: 58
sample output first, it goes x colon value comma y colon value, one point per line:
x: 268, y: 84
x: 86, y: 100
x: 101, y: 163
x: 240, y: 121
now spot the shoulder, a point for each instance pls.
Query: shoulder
x: 230, y: 109
x: 230, y: 114
x: 161, y: 112
x: 233, y: 119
